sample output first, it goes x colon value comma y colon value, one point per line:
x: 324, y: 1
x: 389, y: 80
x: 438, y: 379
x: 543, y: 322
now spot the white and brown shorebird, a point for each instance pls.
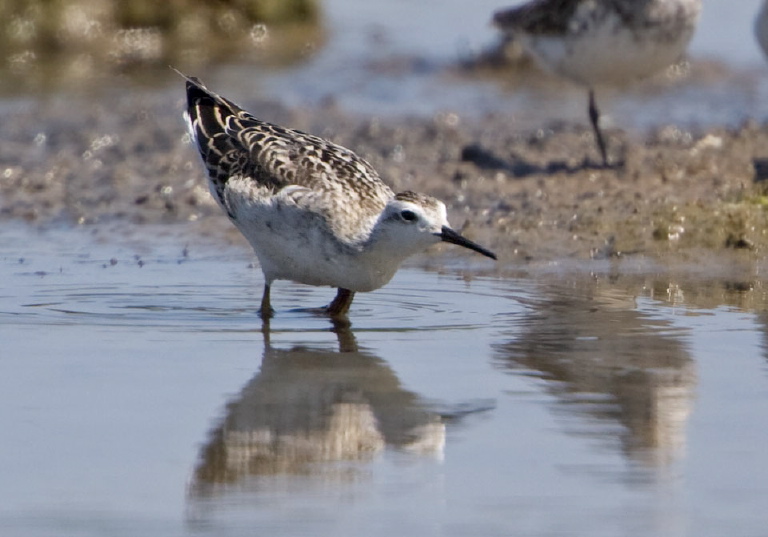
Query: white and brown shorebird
x: 313, y: 211
x: 595, y: 42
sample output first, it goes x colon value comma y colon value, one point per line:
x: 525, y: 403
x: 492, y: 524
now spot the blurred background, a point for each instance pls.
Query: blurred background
x: 376, y: 57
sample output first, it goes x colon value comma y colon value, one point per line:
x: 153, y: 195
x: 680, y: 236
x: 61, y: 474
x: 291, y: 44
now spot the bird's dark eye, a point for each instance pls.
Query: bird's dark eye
x: 408, y: 216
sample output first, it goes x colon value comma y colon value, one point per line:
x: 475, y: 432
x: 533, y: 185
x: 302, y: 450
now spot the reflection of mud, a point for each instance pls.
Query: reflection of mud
x: 309, y: 408
x: 738, y: 287
x: 602, y: 357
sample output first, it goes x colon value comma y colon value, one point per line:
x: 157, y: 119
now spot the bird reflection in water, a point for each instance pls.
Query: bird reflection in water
x: 603, y: 358
x: 314, y: 412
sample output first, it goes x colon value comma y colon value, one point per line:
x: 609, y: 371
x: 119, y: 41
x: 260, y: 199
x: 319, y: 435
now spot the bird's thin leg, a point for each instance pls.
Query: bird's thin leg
x: 266, y: 310
x: 340, y: 305
x: 594, y: 117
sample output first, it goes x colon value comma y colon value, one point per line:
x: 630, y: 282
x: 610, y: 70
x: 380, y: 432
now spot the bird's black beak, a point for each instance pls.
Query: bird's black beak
x: 449, y: 235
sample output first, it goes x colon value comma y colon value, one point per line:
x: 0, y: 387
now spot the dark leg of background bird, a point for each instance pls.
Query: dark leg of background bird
x: 594, y: 117
x: 266, y: 310
x: 340, y: 305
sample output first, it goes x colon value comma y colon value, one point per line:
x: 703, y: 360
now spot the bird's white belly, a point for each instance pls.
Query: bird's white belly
x: 292, y: 248
x: 608, y: 53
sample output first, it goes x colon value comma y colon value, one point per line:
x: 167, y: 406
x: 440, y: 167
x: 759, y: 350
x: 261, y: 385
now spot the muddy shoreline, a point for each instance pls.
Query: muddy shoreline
x: 123, y: 159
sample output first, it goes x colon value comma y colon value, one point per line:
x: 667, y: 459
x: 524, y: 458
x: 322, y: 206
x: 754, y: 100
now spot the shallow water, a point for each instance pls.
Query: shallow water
x: 139, y: 395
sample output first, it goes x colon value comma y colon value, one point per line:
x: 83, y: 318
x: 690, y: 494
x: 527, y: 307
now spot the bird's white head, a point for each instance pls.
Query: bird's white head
x: 412, y: 222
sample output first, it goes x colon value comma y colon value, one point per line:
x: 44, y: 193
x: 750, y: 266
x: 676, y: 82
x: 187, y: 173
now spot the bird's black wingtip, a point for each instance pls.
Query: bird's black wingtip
x: 193, y: 83
x: 190, y: 79
x: 196, y: 90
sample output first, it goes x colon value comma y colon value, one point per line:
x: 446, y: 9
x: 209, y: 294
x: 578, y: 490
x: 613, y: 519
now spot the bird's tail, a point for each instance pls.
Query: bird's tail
x: 212, y: 120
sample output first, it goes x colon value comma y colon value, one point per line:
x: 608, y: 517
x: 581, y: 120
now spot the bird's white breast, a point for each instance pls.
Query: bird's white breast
x: 294, y: 243
x: 605, y: 50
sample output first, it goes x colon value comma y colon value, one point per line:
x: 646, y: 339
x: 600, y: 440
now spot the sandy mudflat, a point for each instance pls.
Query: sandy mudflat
x: 123, y: 159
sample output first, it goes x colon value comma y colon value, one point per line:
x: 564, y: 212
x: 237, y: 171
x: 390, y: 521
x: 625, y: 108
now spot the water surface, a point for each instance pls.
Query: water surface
x: 141, y: 395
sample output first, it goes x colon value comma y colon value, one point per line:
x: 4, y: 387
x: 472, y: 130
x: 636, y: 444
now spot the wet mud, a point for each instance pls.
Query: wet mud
x: 124, y: 158
x: 115, y: 152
